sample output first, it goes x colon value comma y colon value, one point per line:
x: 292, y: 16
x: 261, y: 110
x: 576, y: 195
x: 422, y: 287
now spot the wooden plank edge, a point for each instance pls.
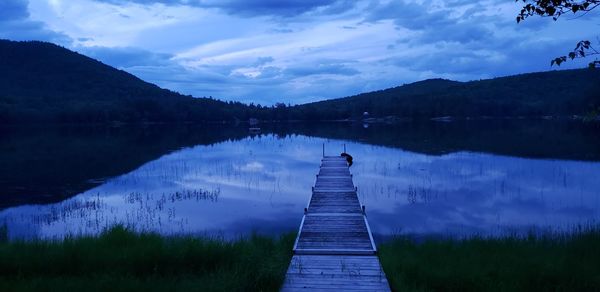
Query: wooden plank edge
x: 298, y: 235
x: 332, y: 190
x: 370, y: 234
x: 335, y: 214
x: 311, y: 251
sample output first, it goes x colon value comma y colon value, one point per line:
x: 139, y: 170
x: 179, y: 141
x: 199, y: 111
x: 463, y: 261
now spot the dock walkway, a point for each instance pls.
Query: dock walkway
x: 334, y: 249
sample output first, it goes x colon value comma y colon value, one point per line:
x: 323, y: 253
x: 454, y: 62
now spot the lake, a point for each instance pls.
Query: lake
x: 485, y: 177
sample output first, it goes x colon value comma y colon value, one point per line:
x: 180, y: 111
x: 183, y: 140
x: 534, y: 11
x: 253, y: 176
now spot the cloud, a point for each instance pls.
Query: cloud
x: 407, y: 14
x: 251, y: 8
x: 267, y: 84
x: 16, y: 25
x: 262, y: 61
x: 282, y: 30
x: 127, y: 57
x: 458, y: 32
x: 162, y: 69
x: 284, y: 8
x: 501, y: 57
x: 433, y: 24
x: 13, y: 9
x: 321, y: 69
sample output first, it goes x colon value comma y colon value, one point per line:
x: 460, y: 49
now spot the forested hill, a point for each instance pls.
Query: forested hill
x: 553, y: 93
x: 43, y: 82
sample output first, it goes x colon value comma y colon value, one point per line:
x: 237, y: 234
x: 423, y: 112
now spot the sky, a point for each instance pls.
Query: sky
x: 298, y: 51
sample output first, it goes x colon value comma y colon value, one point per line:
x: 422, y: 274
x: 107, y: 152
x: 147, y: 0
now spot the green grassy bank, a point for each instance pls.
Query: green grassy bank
x: 120, y: 260
x: 557, y: 262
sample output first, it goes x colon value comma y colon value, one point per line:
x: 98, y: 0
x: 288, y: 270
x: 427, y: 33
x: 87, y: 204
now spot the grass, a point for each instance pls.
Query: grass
x: 550, y: 262
x: 121, y: 260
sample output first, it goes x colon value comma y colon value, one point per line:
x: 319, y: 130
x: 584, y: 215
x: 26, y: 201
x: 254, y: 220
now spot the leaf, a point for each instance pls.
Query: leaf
x: 558, y: 61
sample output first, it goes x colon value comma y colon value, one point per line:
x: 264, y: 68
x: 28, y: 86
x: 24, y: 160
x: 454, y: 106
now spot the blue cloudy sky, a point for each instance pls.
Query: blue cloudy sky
x: 295, y: 51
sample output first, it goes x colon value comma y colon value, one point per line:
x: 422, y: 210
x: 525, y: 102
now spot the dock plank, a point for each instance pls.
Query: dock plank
x: 334, y: 272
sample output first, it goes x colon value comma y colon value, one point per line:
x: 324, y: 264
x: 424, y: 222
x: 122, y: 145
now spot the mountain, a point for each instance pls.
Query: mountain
x: 43, y: 82
x: 552, y: 93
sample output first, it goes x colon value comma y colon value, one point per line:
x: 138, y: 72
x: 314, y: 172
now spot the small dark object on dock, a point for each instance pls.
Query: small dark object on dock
x: 348, y: 158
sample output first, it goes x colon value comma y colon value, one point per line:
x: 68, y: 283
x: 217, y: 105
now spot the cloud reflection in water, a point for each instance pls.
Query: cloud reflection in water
x: 263, y: 183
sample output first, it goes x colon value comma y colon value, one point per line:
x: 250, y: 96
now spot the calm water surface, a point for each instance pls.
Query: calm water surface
x: 232, y: 187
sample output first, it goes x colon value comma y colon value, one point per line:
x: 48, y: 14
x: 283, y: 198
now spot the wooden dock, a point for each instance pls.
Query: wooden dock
x: 334, y: 249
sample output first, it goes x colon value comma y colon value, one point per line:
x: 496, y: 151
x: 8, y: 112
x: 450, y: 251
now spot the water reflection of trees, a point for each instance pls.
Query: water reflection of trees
x: 555, y: 139
x: 50, y: 164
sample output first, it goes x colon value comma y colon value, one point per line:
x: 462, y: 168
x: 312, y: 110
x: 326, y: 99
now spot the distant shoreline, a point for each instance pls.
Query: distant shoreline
x: 372, y: 120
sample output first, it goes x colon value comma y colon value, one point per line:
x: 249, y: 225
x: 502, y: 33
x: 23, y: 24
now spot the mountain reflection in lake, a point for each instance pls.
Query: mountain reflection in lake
x: 262, y: 184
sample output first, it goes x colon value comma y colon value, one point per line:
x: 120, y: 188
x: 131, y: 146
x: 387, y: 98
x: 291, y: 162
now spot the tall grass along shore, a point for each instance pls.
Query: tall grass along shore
x: 550, y: 262
x: 121, y: 260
